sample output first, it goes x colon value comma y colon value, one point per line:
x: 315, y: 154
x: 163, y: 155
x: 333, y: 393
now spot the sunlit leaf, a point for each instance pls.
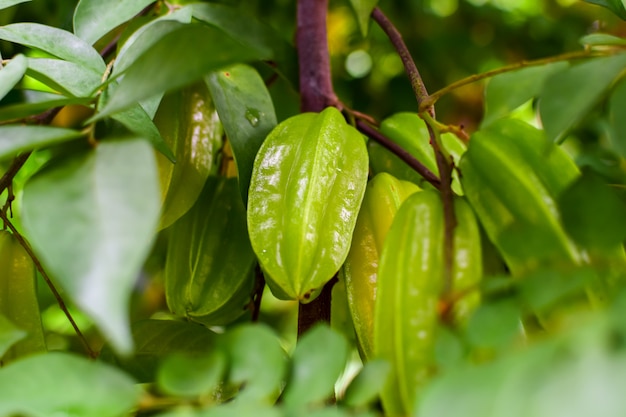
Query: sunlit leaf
x: 91, y: 217
x: 11, y: 74
x: 506, y: 92
x: 17, y: 138
x: 9, y: 334
x: 57, y: 42
x: 202, y: 49
x: 95, y: 18
x: 247, y: 113
x: 8, y: 3
x: 66, y: 77
x: 600, y: 39
x: 566, y: 99
x: 616, y: 6
x: 319, y: 359
x: 363, y: 10
x: 33, y: 387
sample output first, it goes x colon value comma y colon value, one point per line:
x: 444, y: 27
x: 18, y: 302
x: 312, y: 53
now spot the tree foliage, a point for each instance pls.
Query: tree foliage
x: 257, y: 208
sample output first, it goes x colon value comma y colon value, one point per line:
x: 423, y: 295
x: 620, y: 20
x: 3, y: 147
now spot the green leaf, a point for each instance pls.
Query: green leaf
x: 11, y: 74
x: 185, y: 376
x: 143, y: 38
x: 368, y: 384
x: 546, y: 288
x: 57, y: 42
x: 201, y: 48
x: 10, y: 334
x: 138, y: 122
x: 616, y: 6
x: 21, y: 110
x: 33, y: 387
x: 601, y: 39
x: 319, y: 359
x: 617, y: 104
x: 252, y: 33
x: 494, y: 325
x: 246, y: 110
x: 66, y: 77
x: 4, y: 4
x: 363, y: 10
x: 506, y: 92
x: 91, y: 218
x: 19, y: 138
x: 157, y: 339
x: 257, y: 361
x: 569, y: 95
x: 242, y: 410
x: 593, y: 214
x: 95, y: 18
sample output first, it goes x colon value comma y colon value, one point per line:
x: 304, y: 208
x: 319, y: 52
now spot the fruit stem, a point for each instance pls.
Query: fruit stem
x: 316, y: 93
x: 316, y: 88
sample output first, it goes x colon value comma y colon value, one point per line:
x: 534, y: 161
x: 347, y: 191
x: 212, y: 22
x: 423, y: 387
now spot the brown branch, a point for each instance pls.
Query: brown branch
x: 421, y: 94
x: 317, y: 310
x: 316, y: 93
x: 257, y: 296
x: 316, y: 88
x: 433, y: 98
x: 447, y: 198
x: 46, y: 278
x: 400, y: 152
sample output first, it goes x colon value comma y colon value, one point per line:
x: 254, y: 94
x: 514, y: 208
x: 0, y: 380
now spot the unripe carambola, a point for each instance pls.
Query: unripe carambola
x: 307, y: 185
x: 189, y: 125
x: 209, y: 274
x: 383, y: 196
x: 18, y: 296
x: 411, y: 277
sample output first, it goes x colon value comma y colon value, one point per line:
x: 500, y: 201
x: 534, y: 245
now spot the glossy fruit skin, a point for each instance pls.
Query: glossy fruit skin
x: 18, y: 297
x: 410, y: 283
x: 190, y: 126
x: 383, y: 196
x: 209, y: 274
x: 409, y: 131
x: 307, y: 184
x: 512, y: 176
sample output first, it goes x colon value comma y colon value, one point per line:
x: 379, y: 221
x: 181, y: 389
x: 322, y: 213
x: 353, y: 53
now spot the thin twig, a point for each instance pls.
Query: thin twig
x: 400, y: 152
x: 46, y: 278
x: 17, y: 163
x: 421, y: 94
x: 432, y: 99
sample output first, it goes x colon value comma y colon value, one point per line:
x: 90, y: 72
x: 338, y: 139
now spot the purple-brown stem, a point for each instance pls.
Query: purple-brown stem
x: 400, y: 152
x: 316, y: 93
